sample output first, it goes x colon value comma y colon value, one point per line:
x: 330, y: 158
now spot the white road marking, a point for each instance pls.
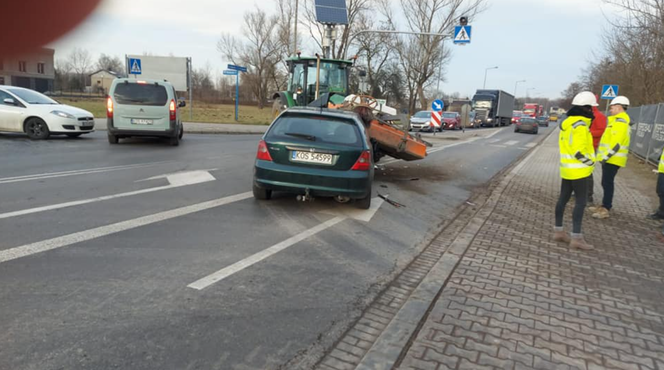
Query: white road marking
x: 253, y: 259
x: 357, y: 214
x: 176, y: 180
x: 530, y: 145
x: 497, y: 146
x: 63, y: 241
x: 494, y: 141
x: 494, y: 133
x: 511, y: 142
x: 88, y: 171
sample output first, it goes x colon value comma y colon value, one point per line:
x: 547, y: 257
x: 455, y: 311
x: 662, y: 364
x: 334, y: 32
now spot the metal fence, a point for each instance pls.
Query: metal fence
x: 647, y: 132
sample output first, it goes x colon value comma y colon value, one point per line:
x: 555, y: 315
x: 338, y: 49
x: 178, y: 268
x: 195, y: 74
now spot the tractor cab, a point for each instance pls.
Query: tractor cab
x: 302, y: 82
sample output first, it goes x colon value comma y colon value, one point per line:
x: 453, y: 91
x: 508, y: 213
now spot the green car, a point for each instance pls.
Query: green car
x: 315, y: 152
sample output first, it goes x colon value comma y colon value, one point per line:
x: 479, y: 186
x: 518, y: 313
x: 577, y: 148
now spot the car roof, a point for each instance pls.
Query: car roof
x: 146, y: 80
x: 323, y: 111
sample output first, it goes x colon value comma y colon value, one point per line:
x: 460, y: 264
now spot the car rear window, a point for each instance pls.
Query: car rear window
x: 140, y: 94
x: 318, y: 129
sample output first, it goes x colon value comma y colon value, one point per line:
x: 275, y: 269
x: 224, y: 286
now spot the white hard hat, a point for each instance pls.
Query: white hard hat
x: 585, y: 98
x: 620, y: 100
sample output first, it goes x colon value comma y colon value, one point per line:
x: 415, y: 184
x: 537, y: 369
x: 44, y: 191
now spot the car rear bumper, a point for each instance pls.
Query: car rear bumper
x: 319, y: 182
x: 527, y: 128
x: 171, y: 131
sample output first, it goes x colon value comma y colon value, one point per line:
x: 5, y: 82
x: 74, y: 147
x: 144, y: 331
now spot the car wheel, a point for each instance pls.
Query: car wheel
x: 364, y: 203
x: 74, y: 135
x: 181, y: 132
x: 260, y: 193
x: 37, y: 129
x: 112, y: 139
x: 174, y: 141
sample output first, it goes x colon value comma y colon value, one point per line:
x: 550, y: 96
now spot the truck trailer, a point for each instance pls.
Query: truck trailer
x: 492, y: 108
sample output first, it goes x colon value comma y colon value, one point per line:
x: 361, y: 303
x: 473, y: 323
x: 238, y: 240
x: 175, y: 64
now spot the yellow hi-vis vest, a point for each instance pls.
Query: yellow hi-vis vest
x: 577, y: 155
x: 661, y: 163
x: 614, y: 146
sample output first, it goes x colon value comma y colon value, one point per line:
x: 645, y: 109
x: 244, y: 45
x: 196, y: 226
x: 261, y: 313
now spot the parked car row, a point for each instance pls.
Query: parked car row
x: 133, y: 108
x: 421, y: 121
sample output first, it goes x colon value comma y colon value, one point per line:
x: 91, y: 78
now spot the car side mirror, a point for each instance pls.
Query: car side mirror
x: 9, y: 101
x: 182, y: 103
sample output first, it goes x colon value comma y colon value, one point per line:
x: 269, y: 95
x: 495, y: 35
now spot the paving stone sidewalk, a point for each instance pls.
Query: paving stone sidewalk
x: 517, y: 300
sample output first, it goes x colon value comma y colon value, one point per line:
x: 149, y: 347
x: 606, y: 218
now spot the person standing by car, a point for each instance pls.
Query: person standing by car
x: 613, y: 151
x: 577, y: 161
x: 597, y: 128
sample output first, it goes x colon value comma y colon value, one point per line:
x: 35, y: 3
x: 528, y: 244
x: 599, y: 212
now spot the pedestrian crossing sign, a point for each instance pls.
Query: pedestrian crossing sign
x: 135, y: 66
x: 609, y: 91
x: 462, y: 34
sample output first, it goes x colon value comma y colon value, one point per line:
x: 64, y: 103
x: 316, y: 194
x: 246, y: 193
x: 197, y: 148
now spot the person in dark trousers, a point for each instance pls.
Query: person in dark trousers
x: 613, y: 152
x: 577, y: 161
x: 597, y: 128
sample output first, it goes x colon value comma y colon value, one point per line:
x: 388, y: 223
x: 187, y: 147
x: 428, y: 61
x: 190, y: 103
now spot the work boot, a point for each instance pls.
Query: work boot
x: 601, y: 213
x: 579, y: 243
x: 656, y: 216
x: 561, y: 236
x: 593, y: 208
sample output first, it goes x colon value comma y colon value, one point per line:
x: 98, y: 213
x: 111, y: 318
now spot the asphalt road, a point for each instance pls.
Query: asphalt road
x: 125, y: 278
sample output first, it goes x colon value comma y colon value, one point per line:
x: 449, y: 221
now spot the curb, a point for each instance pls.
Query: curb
x: 384, y: 332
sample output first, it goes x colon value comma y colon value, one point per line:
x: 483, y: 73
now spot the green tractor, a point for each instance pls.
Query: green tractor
x: 311, y: 77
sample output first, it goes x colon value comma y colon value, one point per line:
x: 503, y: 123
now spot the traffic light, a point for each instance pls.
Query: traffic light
x: 463, y: 21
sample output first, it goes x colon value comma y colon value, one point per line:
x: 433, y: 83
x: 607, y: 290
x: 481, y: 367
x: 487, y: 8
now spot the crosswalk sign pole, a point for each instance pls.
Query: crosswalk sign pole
x: 607, y: 108
x: 237, y: 93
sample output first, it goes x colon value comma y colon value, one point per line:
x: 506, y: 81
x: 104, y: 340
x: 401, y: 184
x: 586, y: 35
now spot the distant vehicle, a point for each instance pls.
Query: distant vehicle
x: 315, y: 152
x: 532, y: 110
x: 24, y: 110
x: 451, y: 121
x: 543, y: 121
x: 421, y: 121
x: 527, y: 124
x: 516, y: 116
x: 553, y: 117
x: 492, y: 108
x: 143, y: 108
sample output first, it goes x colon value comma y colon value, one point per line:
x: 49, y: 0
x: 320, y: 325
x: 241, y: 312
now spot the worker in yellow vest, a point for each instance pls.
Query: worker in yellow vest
x: 659, y: 214
x: 577, y: 161
x: 613, y: 152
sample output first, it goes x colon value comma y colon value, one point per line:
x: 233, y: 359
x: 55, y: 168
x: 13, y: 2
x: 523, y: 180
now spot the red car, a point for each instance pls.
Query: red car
x: 451, y: 121
x: 516, y: 116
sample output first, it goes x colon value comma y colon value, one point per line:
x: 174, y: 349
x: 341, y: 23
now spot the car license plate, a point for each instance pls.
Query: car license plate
x: 308, y: 157
x: 140, y: 121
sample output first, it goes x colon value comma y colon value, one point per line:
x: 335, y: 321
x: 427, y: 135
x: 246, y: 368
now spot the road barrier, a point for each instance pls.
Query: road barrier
x: 647, y: 132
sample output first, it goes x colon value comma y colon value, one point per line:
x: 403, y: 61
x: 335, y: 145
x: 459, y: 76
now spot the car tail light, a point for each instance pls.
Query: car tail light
x: 364, y: 162
x: 171, y: 110
x: 109, y: 107
x: 263, y: 154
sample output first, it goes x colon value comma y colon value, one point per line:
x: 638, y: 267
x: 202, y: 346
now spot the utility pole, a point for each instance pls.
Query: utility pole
x: 295, y: 32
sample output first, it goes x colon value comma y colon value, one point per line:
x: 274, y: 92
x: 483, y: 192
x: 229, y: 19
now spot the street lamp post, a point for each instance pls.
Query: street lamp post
x: 485, y: 72
x: 517, y: 84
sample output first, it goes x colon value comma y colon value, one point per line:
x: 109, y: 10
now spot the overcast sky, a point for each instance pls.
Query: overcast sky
x: 545, y: 42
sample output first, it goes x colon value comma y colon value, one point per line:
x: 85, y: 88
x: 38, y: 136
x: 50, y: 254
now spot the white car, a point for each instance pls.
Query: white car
x: 24, y: 110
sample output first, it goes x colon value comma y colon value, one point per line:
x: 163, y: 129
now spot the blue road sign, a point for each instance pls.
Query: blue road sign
x: 230, y: 72
x: 462, y: 34
x: 135, y: 66
x: 609, y: 91
x: 437, y: 105
x: 237, y: 68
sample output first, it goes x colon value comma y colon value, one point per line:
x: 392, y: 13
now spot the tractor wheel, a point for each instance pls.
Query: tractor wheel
x: 277, y: 108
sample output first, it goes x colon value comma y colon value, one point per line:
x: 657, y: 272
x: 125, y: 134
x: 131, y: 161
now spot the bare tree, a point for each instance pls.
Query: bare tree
x: 422, y: 56
x: 110, y: 63
x: 80, y: 62
x: 62, y: 74
x: 259, y: 53
x: 374, y: 51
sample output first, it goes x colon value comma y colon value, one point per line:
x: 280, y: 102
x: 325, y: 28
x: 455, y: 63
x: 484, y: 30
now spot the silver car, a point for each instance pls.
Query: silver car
x: 143, y: 108
x: 421, y: 121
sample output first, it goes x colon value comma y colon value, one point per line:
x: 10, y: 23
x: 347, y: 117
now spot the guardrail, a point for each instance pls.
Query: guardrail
x: 647, y: 132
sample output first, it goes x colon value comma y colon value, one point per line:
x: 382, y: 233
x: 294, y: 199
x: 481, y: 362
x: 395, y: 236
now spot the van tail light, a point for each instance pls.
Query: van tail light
x: 171, y: 110
x: 364, y: 162
x: 109, y: 107
x: 263, y: 154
